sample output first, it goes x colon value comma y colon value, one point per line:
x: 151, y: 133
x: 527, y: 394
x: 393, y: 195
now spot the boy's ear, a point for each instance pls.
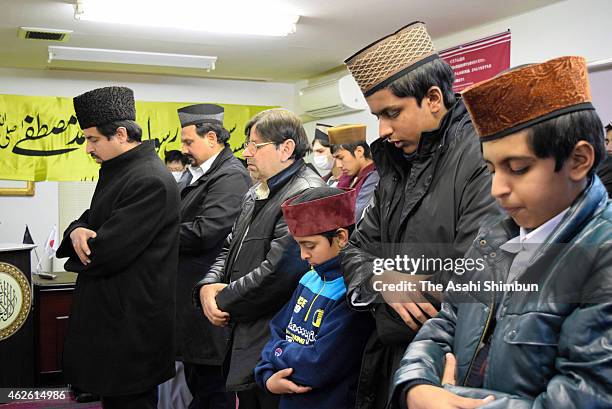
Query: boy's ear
x: 580, y: 161
x: 342, y: 237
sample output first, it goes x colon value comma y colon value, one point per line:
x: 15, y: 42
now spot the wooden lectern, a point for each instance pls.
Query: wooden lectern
x: 16, y: 318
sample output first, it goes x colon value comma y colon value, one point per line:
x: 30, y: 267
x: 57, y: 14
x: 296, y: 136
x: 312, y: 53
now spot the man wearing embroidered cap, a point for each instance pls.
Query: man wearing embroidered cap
x: 212, y: 189
x: 120, y: 343
x: 432, y: 192
x: 546, y: 347
x: 354, y: 159
x: 314, y: 353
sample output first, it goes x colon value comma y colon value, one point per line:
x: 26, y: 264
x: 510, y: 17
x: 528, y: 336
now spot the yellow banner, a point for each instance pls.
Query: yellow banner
x: 40, y: 138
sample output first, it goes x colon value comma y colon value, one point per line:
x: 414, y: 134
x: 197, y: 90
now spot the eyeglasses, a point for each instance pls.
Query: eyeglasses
x: 253, y: 147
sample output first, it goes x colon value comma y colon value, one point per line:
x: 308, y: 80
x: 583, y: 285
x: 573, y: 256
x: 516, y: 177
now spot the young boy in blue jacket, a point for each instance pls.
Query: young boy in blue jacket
x: 314, y: 353
x: 541, y: 339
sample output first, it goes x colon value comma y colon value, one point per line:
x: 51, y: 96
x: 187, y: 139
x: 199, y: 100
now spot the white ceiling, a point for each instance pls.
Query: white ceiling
x: 328, y: 32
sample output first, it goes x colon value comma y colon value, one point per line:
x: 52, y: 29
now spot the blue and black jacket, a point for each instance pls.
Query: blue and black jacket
x: 321, y: 338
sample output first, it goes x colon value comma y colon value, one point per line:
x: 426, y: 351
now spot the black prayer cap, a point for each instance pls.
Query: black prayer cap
x: 321, y: 133
x: 104, y: 105
x: 200, y: 114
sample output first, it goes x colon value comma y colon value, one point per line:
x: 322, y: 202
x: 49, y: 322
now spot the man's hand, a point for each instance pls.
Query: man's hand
x: 433, y: 397
x: 279, y: 384
x: 209, y: 304
x: 412, y: 305
x: 79, y: 237
x: 414, y: 314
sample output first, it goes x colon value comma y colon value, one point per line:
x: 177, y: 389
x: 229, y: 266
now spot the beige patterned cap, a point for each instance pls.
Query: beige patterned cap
x: 382, y: 62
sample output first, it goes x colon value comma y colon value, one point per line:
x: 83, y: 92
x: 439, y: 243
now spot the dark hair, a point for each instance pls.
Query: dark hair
x: 320, y: 193
x: 223, y: 134
x: 134, y: 132
x: 609, y: 127
x: 278, y: 125
x: 417, y: 82
x: 324, y: 142
x: 557, y: 137
x: 175, y: 156
x: 367, y: 152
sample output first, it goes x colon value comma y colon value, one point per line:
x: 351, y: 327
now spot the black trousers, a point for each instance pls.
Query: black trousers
x: 257, y: 399
x: 144, y: 400
x: 207, y: 386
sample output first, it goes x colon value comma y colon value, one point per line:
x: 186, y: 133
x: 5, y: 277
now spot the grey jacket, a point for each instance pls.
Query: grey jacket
x: 548, y: 349
x: 261, y: 264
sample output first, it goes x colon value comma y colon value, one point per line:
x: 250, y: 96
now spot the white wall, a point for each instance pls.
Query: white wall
x: 571, y: 27
x: 41, y: 212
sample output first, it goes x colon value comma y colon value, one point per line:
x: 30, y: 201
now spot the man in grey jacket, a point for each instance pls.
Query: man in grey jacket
x: 259, y: 266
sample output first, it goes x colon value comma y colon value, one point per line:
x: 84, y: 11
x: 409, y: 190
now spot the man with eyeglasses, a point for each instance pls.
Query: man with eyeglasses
x: 260, y: 265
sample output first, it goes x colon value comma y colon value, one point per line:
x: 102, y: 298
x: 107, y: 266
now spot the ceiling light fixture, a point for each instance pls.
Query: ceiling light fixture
x: 131, y: 57
x: 262, y: 17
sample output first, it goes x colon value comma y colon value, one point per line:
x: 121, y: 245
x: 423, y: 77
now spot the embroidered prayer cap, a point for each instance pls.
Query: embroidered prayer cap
x: 321, y: 133
x: 200, y: 114
x: 321, y: 214
x: 523, y: 97
x: 382, y: 62
x: 345, y: 134
x: 104, y: 105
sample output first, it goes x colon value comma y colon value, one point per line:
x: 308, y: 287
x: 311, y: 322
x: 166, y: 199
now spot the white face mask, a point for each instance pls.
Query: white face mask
x: 177, y: 175
x: 323, y: 162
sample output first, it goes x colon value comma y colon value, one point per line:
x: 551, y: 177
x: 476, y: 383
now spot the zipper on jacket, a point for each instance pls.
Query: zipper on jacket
x: 480, y: 341
x: 315, y: 299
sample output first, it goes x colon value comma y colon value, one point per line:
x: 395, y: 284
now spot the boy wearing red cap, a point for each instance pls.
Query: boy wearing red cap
x: 314, y: 353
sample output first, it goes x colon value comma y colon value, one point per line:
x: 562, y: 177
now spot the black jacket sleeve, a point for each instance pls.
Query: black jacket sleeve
x: 214, y: 221
x: 266, y: 288
x: 129, y: 230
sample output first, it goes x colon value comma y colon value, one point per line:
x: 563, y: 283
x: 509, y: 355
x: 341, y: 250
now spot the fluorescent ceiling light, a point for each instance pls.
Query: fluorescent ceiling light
x: 254, y: 17
x: 131, y: 57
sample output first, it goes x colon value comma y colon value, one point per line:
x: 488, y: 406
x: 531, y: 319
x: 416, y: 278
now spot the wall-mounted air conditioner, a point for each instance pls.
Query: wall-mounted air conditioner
x: 332, y: 98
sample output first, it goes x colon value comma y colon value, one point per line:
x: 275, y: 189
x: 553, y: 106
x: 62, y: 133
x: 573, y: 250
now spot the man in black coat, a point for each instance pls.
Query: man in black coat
x: 119, y: 343
x: 212, y: 189
x: 432, y: 195
x: 260, y: 265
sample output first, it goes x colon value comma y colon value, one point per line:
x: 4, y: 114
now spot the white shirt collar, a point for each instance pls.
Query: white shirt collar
x: 199, y: 171
x: 536, y: 236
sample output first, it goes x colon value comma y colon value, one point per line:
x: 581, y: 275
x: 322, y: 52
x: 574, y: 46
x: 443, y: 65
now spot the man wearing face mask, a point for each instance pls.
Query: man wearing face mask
x: 212, y: 189
x: 175, y: 162
x: 322, y: 158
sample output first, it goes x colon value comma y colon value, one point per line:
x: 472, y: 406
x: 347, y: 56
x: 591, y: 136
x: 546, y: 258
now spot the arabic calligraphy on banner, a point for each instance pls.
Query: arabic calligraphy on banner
x: 40, y: 138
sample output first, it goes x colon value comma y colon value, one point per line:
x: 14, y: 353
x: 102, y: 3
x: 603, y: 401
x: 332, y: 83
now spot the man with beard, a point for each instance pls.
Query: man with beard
x: 211, y: 193
x: 119, y: 343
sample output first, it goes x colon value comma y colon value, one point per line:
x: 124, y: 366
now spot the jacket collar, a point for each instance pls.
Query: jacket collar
x: 280, y: 179
x: 388, y: 158
x: 224, y: 155
x: 330, y: 270
x: 593, y: 199
x: 144, y: 149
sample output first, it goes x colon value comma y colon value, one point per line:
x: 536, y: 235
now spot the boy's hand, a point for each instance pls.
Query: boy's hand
x: 450, y: 370
x: 433, y: 397
x: 209, y: 304
x: 279, y: 384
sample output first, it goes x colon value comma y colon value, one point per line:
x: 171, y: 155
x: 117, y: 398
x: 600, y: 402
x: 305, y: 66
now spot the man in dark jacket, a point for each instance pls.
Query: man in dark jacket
x: 212, y: 189
x: 125, y: 248
x: 605, y: 168
x: 260, y: 265
x: 541, y: 337
x: 432, y: 193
